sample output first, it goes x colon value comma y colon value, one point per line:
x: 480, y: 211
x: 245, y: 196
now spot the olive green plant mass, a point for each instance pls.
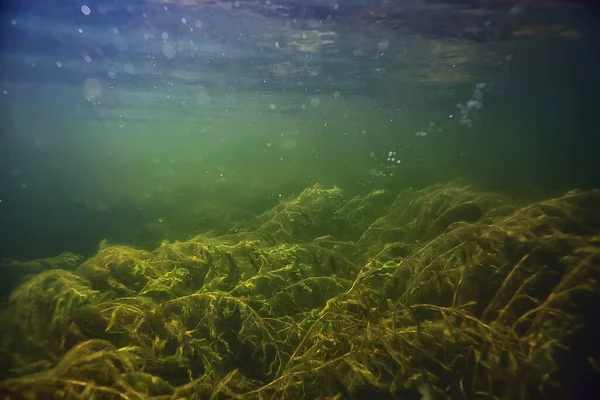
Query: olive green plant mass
x: 445, y: 292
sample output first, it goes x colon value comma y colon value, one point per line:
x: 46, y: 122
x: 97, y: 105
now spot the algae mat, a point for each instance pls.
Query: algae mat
x: 443, y: 292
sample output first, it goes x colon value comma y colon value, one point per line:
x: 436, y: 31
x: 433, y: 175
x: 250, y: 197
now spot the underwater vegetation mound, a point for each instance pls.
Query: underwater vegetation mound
x: 438, y: 293
x: 15, y: 272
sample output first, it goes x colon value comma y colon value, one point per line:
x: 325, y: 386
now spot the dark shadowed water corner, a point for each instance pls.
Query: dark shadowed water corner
x: 136, y: 122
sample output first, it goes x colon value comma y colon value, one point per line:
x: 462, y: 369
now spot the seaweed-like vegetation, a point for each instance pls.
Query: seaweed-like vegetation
x: 15, y: 272
x: 444, y: 292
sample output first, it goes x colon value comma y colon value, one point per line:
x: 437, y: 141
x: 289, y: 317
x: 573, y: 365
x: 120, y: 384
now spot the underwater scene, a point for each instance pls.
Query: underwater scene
x: 299, y: 199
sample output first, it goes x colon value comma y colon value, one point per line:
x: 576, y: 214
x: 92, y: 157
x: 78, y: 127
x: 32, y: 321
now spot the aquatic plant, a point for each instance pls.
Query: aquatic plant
x: 443, y: 290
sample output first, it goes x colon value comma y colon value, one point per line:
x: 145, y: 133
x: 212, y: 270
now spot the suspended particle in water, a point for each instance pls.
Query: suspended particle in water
x: 169, y: 51
x: 287, y: 144
x: 59, y: 64
x: 516, y: 10
x: 164, y: 35
x: 474, y: 103
x: 120, y: 43
x: 383, y: 45
x: 87, y: 58
x: 183, y: 20
x: 314, y: 102
x: 112, y: 74
x: 86, y: 10
x: 92, y: 88
x: 202, y: 98
x: 129, y: 68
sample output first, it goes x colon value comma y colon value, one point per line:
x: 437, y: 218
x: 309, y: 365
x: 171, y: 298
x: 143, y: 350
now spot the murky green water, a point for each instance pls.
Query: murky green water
x: 142, y: 112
